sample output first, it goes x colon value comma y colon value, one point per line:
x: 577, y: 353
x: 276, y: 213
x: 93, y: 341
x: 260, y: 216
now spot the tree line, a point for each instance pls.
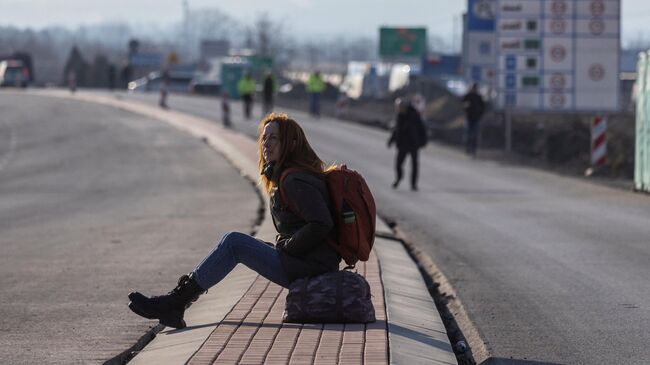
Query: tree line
x: 94, y: 50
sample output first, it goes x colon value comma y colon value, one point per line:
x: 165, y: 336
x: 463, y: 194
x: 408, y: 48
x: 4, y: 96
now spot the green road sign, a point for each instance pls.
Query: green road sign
x: 402, y: 42
x: 231, y: 73
x: 261, y: 63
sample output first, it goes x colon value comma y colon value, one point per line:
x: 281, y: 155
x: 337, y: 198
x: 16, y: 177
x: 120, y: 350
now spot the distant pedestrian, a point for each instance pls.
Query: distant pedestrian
x: 269, y: 88
x: 225, y: 109
x: 164, y: 89
x: 409, y: 135
x: 246, y: 89
x: 72, y: 81
x: 301, y: 248
x: 111, y: 77
x: 315, y: 87
x: 474, y: 108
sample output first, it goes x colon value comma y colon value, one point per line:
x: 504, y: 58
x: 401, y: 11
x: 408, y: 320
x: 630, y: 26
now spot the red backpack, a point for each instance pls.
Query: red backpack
x: 354, y: 213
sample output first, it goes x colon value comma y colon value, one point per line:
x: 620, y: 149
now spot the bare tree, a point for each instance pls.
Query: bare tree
x: 209, y: 23
x: 266, y: 30
x: 270, y: 38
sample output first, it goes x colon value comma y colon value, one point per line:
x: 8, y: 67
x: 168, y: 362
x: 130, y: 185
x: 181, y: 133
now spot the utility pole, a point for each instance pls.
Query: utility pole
x: 454, y: 34
x: 186, y: 29
x: 508, y: 130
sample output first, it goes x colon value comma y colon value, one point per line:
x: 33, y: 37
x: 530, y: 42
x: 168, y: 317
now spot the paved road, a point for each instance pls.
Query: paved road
x: 95, y: 202
x: 550, y: 269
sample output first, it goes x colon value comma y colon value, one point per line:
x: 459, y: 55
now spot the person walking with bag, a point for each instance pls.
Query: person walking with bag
x: 409, y: 135
x: 301, y: 248
x: 225, y: 109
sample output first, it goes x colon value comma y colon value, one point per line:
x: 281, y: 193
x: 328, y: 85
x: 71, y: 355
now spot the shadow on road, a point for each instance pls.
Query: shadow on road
x: 501, y: 361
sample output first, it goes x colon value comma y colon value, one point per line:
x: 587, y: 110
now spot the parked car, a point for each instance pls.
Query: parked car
x: 13, y: 73
x: 207, y: 80
x: 178, y: 82
x: 204, y: 85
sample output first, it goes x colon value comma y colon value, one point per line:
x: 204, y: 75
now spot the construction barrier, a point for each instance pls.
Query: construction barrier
x: 642, y: 158
x: 598, y: 141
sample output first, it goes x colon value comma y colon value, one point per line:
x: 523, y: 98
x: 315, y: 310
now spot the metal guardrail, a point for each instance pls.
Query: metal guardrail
x: 642, y: 160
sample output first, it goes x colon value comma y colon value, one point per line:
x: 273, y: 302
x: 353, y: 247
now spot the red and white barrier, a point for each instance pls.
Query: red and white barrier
x: 598, y: 141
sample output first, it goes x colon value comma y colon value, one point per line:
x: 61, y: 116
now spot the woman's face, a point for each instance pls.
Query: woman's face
x: 271, y: 142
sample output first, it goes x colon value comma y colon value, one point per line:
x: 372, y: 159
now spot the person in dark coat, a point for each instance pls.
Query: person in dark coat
x: 474, y: 108
x: 269, y: 88
x: 409, y: 135
x: 111, y: 77
x: 301, y: 248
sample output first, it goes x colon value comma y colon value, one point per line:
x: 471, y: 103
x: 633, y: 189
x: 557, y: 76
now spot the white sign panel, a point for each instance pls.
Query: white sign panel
x: 557, y: 55
x: 479, y: 48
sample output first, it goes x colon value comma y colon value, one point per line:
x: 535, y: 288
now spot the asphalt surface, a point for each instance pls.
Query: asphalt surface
x: 550, y: 269
x: 96, y: 202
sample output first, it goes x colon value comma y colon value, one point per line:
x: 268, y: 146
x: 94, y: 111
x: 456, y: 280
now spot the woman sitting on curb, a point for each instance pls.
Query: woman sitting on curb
x: 301, y: 248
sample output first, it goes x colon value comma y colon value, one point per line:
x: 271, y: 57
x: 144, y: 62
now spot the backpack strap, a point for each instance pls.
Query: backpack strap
x: 283, y: 195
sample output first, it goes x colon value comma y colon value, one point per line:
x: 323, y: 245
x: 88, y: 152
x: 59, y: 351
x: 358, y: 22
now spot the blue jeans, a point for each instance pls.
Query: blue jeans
x: 235, y: 248
x: 314, y: 103
x: 471, y: 135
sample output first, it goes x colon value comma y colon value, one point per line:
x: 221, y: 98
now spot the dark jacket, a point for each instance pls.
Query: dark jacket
x: 474, y: 106
x: 409, y: 132
x: 303, y: 228
x: 268, y: 88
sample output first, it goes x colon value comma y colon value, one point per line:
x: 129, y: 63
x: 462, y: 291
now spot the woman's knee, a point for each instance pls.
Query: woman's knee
x: 232, y: 237
x: 233, y: 240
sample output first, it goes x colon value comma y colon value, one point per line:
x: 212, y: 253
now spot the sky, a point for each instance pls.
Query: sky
x: 302, y: 18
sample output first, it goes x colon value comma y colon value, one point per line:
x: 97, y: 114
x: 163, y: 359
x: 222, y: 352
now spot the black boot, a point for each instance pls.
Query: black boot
x: 169, y: 308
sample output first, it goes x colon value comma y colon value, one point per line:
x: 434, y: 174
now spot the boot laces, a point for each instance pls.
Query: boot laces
x: 181, y: 282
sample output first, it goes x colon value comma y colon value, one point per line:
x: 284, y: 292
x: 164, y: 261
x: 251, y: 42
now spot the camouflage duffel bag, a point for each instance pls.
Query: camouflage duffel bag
x: 334, y: 297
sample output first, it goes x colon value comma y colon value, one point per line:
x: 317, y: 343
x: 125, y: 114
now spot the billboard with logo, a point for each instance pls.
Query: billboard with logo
x: 557, y: 55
